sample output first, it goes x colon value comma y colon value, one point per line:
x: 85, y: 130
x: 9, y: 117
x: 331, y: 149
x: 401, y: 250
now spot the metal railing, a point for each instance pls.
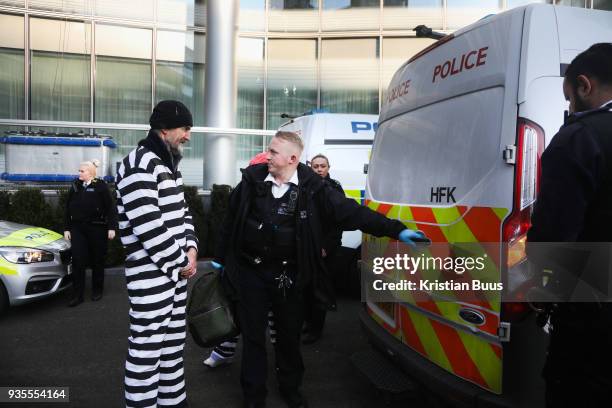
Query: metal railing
x: 130, y: 126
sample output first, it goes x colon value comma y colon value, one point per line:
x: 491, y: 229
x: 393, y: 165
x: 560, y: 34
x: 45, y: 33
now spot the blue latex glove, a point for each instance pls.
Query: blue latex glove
x: 410, y: 237
x: 216, y: 265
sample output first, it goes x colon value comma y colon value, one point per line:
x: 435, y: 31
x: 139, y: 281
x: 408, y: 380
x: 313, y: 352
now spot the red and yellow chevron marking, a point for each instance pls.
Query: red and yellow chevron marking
x: 475, y: 358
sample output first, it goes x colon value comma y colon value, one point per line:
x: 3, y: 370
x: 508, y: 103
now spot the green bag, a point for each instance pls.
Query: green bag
x: 210, y: 315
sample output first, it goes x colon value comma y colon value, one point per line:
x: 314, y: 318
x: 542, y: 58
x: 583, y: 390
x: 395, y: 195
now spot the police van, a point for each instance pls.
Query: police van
x: 457, y: 155
x: 346, y: 140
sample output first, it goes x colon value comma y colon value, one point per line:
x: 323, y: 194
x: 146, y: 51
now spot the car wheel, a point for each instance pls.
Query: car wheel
x: 4, y: 299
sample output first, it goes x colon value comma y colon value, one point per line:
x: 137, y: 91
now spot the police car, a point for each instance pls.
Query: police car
x: 34, y: 263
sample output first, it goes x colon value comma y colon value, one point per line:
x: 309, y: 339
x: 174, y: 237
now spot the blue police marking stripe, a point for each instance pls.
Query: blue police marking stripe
x: 57, y: 141
x: 363, y: 126
x: 46, y: 177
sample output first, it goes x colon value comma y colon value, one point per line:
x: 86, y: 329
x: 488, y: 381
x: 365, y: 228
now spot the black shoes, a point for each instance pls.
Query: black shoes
x: 310, y: 338
x: 75, y: 301
x: 96, y: 296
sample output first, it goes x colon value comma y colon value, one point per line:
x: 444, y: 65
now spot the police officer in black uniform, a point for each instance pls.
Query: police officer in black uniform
x: 575, y: 205
x: 314, y: 314
x: 270, y: 246
x: 90, y: 221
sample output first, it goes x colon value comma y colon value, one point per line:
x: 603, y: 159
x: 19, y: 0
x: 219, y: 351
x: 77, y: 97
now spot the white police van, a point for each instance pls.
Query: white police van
x: 346, y: 140
x: 457, y: 155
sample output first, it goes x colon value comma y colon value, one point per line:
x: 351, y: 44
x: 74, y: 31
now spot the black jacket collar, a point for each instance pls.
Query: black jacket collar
x: 155, y: 144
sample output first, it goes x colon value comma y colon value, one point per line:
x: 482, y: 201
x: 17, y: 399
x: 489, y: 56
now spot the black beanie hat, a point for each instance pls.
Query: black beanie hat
x: 170, y: 115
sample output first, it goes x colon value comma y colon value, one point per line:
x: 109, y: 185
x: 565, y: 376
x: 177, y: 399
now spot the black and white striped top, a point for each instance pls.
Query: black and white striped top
x: 154, y: 221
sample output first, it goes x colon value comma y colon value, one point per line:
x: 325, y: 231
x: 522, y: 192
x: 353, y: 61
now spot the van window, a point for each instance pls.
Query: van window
x: 449, y: 144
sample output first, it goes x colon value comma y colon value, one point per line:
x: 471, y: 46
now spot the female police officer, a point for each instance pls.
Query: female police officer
x: 90, y: 220
x: 314, y: 317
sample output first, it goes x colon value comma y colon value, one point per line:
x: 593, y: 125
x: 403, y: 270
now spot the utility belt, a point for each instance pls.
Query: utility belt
x: 95, y: 221
x: 260, y: 260
x: 283, y: 271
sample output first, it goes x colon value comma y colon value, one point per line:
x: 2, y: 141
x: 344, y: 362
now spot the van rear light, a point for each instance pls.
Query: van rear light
x: 529, y: 147
x: 514, y: 311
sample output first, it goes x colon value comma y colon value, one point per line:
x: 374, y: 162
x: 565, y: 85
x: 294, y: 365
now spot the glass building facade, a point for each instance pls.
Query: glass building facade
x: 110, y: 61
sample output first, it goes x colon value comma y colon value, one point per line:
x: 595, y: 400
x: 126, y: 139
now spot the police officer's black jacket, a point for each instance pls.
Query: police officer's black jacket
x: 317, y: 202
x: 575, y: 205
x: 332, y: 234
x: 575, y: 200
x: 91, y: 204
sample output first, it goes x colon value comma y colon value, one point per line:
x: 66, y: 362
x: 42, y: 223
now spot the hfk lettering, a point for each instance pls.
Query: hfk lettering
x: 439, y: 193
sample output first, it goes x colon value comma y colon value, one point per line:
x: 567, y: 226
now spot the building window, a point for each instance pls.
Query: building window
x: 292, y: 79
x: 460, y: 13
x: 293, y: 15
x: 183, y: 12
x: 252, y: 15
x: 123, y: 81
x: 517, y: 3
x: 123, y: 74
x: 349, y: 75
x: 60, y: 70
x: 602, y: 4
x: 396, y: 51
x: 12, y: 63
x: 180, y: 70
x: 132, y: 9
x: 80, y: 7
x: 13, y: 3
x: 407, y: 14
x: 250, y: 67
x: 572, y: 3
x: 340, y: 15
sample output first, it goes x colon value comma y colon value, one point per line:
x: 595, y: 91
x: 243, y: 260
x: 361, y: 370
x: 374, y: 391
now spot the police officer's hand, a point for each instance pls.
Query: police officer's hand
x: 67, y: 235
x: 111, y: 234
x: 410, y: 237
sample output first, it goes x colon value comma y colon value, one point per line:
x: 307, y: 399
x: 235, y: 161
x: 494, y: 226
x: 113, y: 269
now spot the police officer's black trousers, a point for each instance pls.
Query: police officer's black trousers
x: 259, y: 290
x: 89, y: 245
x: 314, y: 314
x: 577, y: 369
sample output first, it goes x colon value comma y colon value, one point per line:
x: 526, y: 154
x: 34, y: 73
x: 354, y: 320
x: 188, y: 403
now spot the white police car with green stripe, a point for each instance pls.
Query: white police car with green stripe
x: 34, y: 263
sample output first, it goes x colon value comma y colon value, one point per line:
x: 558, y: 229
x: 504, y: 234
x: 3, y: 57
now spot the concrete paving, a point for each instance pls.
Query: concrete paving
x: 48, y: 344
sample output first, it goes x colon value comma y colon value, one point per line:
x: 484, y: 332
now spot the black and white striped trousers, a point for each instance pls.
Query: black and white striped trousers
x: 154, y: 374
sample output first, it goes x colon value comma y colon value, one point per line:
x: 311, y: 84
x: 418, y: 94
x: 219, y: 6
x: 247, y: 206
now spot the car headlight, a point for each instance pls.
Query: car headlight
x: 21, y: 255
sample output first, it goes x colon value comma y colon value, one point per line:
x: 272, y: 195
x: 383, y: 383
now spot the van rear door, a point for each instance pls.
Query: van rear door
x: 438, y: 165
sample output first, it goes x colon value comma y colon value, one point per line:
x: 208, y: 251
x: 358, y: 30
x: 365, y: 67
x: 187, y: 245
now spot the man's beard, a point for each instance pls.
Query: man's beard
x: 176, y: 151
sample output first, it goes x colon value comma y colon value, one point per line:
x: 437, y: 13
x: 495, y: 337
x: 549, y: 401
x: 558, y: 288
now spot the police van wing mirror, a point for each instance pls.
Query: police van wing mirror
x: 365, y: 168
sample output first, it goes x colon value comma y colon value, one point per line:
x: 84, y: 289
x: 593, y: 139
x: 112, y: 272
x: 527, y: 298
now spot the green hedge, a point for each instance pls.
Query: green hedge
x: 28, y: 206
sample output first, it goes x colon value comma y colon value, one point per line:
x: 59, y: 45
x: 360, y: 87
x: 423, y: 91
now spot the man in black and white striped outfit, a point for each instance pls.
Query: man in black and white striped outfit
x: 161, y: 252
